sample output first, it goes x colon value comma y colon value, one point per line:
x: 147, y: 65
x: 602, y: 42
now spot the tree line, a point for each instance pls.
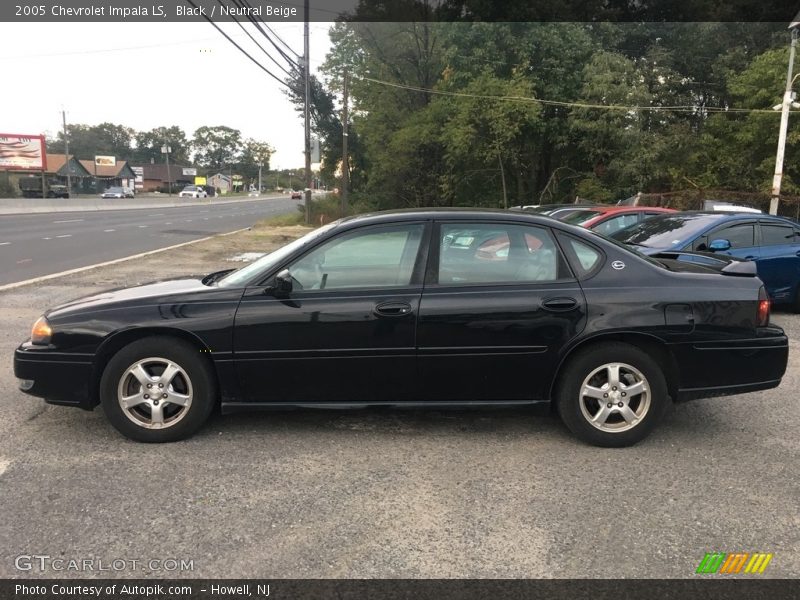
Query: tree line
x: 212, y: 148
x: 482, y: 113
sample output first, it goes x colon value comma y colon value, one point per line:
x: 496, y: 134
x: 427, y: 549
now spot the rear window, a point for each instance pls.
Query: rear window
x: 580, y: 216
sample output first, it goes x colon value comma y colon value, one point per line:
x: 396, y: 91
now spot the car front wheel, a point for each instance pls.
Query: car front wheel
x: 612, y: 395
x: 157, y: 389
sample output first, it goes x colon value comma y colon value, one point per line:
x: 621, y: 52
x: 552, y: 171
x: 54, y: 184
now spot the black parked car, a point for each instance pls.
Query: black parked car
x: 419, y: 308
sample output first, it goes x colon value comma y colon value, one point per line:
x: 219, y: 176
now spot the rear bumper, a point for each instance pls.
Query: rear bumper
x: 58, y: 377
x: 722, y: 368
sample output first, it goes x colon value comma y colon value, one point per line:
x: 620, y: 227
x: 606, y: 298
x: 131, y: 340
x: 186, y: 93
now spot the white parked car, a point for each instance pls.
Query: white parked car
x: 193, y: 191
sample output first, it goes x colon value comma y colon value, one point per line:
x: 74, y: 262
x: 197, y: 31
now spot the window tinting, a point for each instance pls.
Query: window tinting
x: 377, y: 257
x: 740, y: 236
x: 483, y: 253
x: 588, y: 257
x: 777, y: 235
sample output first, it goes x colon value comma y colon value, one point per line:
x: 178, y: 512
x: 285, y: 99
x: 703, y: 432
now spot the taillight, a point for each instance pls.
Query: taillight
x: 762, y: 317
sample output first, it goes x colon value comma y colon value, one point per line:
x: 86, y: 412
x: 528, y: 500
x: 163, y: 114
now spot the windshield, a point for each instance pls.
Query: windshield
x: 189, y: 188
x: 114, y: 189
x: 265, y: 263
x: 667, y: 231
x: 581, y: 216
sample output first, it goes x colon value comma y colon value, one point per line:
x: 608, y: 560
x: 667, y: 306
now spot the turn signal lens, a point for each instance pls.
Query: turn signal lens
x: 41, y: 332
x: 762, y: 317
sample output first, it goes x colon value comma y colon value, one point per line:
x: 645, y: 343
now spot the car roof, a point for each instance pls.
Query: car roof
x: 448, y: 213
x: 723, y: 215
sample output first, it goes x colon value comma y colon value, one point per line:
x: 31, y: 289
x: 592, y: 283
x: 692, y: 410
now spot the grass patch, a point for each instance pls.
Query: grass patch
x: 286, y: 220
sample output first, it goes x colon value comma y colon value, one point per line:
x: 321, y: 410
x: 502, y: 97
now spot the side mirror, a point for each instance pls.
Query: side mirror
x: 283, y: 283
x: 719, y: 245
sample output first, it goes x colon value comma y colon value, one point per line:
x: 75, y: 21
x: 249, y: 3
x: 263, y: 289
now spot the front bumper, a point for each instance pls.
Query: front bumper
x: 58, y: 377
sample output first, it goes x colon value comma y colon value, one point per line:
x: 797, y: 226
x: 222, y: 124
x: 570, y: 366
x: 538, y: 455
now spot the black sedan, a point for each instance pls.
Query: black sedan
x: 422, y: 308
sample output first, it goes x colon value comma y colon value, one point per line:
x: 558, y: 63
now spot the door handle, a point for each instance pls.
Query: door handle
x: 797, y: 253
x: 392, y: 309
x: 559, y: 304
x: 749, y: 257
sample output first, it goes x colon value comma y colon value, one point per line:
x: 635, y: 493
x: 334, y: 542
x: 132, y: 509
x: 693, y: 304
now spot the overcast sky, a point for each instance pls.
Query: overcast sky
x: 145, y: 75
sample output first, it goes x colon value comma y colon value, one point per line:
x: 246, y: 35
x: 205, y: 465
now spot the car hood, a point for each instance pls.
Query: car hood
x: 152, y: 291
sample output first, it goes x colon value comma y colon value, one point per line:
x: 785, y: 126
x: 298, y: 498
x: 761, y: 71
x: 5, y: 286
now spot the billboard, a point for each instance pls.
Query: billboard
x: 19, y: 152
x: 200, y: 181
x: 105, y: 161
x: 189, y: 171
x: 139, y: 180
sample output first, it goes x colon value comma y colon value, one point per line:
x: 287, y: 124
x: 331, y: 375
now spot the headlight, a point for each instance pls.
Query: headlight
x: 41, y: 332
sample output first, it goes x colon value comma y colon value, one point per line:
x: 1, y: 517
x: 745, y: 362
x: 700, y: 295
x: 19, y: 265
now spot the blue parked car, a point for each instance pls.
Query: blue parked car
x: 772, y: 242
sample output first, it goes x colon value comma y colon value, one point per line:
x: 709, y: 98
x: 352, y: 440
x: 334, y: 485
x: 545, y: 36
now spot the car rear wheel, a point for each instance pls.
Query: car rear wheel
x: 157, y: 389
x: 612, y: 395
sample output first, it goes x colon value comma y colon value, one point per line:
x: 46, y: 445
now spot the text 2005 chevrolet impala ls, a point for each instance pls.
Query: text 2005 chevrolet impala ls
x: 420, y: 308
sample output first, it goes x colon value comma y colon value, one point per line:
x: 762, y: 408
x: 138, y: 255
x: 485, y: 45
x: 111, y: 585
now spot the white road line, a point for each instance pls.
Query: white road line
x: 188, y: 220
x: 4, y: 463
x: 69, y: 221
x: 64, y: 236
x: 108, y: 230
x: 4, y: 243
x: 17, y: 284
x: 47, y: 238
x: 157, y: 215
x: 168, y: 223
x: 143, y: 226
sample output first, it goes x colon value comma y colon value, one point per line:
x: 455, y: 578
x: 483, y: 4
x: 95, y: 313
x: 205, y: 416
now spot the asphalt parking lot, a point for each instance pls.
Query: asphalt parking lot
x: 388, y: 493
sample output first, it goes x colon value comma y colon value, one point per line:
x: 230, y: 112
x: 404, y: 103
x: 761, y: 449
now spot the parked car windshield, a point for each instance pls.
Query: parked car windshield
x: 189, y: 188
x: 265, y: 263
x: 115, y: 190
x: 666, y: 231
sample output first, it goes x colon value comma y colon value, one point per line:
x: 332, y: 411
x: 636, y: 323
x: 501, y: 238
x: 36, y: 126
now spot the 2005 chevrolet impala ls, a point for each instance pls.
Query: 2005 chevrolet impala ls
x: 419, y: 308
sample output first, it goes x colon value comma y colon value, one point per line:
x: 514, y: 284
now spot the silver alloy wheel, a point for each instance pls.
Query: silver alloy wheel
x: 155, y: 393
x: 615, y: 397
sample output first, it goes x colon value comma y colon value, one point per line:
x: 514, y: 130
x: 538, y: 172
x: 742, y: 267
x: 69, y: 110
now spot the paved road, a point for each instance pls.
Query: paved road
x: 41, y: 244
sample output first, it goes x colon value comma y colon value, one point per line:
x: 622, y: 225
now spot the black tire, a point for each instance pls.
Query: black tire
x: 195, y: 381
x: 614, y: 430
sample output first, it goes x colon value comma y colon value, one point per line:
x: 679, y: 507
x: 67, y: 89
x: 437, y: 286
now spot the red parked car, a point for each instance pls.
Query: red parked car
x: 610, y: 219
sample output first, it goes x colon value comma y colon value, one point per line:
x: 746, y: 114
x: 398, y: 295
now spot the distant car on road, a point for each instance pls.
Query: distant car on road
x: 773, y: 243
x: 193, y: 191
x: 430, y: 308
x: 297, y: 195
x: 610, y: 219
x: 117, y: 192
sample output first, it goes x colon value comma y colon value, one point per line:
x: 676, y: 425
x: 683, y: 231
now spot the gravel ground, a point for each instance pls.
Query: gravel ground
x: 389, y: 493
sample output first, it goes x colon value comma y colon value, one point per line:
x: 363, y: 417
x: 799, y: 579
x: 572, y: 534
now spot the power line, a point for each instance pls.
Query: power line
x: 291, y: 61
x: 242, y: 50
x: 684, y: 108
x: 279, y: 65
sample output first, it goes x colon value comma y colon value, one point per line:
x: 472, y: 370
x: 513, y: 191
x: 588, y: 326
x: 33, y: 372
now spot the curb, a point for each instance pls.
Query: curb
x: 16, y: 284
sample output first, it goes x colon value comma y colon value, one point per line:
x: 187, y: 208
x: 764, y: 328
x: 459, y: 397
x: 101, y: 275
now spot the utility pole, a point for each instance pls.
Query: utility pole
x: 166, y: 150
x: 785, y: 106
x: 259, y: 177
x: 345, y: 158
x: 66, y: 153
x: 307, y: 69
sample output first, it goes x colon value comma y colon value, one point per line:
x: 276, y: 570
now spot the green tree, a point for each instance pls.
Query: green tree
x: 216, y: 147
x: 149, y: 144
